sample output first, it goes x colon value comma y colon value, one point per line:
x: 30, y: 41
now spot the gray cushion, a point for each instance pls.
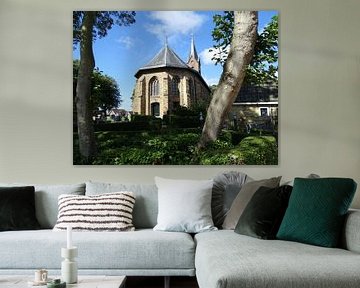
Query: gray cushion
x: 184, y: 205
x: 225, y: 189
x: 46, y: 200
x: 263, y: 214
x: 143, y: 249
x: 243, y: 198
x: 146, y: 204
x: 248, y: 262
x: 351, y: 236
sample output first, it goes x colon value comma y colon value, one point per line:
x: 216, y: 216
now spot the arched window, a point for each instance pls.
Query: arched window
x: 154, y: 86
x: 191, y: 88
x: 174, y: 86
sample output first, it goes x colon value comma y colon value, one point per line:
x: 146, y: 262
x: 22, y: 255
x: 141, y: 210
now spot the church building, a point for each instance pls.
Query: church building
x: 167, y: 82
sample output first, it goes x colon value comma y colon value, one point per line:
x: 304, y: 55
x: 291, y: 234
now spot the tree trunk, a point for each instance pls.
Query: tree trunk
x: 83, y: 90
x: 239, y: 57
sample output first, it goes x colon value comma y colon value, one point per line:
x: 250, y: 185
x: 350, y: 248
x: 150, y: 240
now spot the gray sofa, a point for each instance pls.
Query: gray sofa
x: 218, y: 258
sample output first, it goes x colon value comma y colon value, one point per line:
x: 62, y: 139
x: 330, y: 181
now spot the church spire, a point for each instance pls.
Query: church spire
x: 194, y: 59
x: 193, y: 52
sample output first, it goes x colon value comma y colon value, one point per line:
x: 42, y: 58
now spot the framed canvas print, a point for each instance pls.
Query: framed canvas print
x: 175, y: 87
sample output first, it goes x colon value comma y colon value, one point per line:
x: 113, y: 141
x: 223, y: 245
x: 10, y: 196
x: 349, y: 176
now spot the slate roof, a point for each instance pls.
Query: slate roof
x: 263, y: 93
x: 165, y: 58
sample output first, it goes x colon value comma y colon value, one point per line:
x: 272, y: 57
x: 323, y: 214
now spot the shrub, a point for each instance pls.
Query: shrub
x: 179, y: 147
x: 154, y: 124
x: 182, y: 121
x: 261, y: 150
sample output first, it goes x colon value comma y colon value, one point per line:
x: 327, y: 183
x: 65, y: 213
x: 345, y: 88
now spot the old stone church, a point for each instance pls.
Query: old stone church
x: 167, y: 82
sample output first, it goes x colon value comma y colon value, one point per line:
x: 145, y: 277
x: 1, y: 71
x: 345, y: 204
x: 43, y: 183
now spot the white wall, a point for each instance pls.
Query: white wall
x: 319, y: 91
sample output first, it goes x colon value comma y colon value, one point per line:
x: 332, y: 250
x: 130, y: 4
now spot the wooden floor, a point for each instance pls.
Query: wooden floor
x: 158, y: 282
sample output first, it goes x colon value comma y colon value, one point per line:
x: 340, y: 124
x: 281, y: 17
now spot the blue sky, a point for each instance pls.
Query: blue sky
x: 125, y: 49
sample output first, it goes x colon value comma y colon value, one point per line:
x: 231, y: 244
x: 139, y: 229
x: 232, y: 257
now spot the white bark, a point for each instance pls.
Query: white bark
x: 239, y: 57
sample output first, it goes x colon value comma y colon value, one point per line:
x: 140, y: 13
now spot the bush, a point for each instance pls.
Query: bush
x: 261, y: 150
x: 232, y: 136
x: 152, y: 125
x: 182, y: 121
x: 179, y: 147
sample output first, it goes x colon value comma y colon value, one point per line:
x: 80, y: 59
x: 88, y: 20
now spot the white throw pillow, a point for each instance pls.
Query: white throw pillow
x: 184, y: 205
x: 105, y: 212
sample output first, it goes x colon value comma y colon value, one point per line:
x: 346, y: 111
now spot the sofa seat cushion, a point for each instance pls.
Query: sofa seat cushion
x: 142, y: 249
x: 226, y: 259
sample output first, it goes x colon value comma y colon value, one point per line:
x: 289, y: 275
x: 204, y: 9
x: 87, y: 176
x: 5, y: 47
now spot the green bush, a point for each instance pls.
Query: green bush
x: 179, y: 147
x: 181, y: 121
x: 151, y: 125
x: 260, y: 150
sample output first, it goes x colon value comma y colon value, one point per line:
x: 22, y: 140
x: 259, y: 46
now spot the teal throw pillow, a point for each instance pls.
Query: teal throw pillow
x: 316, y: 211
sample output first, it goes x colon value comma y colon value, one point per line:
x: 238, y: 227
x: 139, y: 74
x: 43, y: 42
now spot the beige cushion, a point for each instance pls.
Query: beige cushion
x: 243, y: 198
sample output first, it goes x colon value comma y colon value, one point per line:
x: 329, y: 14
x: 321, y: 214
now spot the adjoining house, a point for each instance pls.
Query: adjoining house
x: 117, y: 114
x: 256, y: 106
x: 167, y: 82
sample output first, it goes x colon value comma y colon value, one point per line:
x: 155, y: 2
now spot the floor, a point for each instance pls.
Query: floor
x: 158, y: 282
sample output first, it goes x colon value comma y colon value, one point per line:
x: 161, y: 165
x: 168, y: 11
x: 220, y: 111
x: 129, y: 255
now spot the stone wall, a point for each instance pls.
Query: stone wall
x: 191, y: 89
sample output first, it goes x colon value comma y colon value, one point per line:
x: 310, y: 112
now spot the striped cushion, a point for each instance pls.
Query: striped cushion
x: 105, y: 212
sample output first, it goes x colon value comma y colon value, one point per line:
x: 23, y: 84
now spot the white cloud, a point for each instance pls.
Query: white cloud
x: 211, y: 81
x: 174, y: 23
x: 127, y: 41
x: 207, y: 54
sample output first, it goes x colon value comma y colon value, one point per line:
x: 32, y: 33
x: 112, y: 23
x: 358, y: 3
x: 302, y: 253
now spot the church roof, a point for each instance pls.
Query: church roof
x: 193, y: 51
x: 166, y: 57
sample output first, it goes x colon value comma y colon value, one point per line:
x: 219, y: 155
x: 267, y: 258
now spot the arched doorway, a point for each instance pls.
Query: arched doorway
x: 155, y: 109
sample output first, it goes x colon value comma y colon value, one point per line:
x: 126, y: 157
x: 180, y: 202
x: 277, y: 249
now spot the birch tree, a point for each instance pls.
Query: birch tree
x: 239, y: 57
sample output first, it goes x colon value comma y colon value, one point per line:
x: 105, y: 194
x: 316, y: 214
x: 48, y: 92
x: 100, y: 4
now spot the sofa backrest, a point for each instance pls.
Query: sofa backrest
x: 46, y: 200
x: 146, y: 203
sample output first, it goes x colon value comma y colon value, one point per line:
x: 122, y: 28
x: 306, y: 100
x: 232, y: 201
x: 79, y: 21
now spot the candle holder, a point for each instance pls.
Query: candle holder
x: 69, y: 271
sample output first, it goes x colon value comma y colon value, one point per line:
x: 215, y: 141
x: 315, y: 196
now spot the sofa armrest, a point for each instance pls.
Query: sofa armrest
x: 351, y: 234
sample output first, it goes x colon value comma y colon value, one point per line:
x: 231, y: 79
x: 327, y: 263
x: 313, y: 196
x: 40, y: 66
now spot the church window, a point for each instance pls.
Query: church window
x: 154, y: 86
x: 191, y: 88
x: 174, y: 86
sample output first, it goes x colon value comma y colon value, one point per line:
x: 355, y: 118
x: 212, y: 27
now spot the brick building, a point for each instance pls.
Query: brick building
x: 167, y: 82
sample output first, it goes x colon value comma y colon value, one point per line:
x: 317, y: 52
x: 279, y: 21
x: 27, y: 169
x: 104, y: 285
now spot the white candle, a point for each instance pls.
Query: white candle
x: 69, y: 237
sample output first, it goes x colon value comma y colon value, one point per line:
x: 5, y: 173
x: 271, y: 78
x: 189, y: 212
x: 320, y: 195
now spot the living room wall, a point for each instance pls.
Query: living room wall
x: 319, y: 91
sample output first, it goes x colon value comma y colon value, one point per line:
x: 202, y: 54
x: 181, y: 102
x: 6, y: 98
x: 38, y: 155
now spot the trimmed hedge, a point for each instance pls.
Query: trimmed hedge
x: 152, y: 125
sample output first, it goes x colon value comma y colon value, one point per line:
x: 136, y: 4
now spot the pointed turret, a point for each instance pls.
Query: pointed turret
x: 194, y: 59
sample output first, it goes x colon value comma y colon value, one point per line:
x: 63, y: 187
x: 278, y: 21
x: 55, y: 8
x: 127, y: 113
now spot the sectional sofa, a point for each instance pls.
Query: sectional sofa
x: 218, y: 259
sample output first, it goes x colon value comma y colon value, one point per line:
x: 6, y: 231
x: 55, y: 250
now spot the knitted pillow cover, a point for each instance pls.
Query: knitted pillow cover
x: 316, y: 211
x: 105, y: 212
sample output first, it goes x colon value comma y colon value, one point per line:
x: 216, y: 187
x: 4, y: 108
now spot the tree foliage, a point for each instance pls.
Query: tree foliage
x: 104, y: 21
x: 263, y: 67
x: 105, y: 93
